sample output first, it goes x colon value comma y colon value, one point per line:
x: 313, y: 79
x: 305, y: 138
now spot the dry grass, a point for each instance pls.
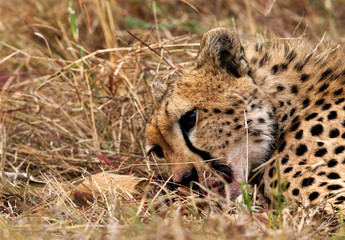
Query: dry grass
x: 74, y: 94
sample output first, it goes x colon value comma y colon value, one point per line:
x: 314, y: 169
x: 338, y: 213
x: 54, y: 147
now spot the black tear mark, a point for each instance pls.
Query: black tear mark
x: 204, y: 155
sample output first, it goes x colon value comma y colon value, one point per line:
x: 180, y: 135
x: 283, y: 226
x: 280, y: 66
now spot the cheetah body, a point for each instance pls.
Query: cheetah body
x: 279, y: 104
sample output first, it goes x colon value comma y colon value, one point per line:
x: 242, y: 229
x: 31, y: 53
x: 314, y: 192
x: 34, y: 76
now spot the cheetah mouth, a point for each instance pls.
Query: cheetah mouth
x: 220, y: 180
x: 223, y: 171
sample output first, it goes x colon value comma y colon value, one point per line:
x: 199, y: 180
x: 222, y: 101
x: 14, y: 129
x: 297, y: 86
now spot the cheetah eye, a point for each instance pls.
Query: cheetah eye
x: 187, y: 121
x: 158, y: 151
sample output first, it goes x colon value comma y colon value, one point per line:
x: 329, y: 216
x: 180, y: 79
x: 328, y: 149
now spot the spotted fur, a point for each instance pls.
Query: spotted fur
x: 279, y: 103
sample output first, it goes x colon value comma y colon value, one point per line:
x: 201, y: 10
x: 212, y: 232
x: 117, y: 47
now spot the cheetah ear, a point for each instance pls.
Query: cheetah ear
x: 222, y: 48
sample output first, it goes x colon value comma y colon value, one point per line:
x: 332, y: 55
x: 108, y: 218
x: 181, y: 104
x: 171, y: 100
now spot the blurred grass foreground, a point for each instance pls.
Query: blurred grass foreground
x: 75, y: 79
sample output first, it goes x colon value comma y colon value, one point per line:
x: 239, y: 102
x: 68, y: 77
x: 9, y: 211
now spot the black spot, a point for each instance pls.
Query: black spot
x: 274, y: 184
x: 287, y: 186
x: 304, y: 77
x: 340, y: 100
x: 299, y: 66
x: 338, y: 202
x: 341, y: 198
x: 308, y: 58
x: 303, y: 162
x: 205, y: 110
x: 339, y: 149
x: 284, y: 118
x: 272, y: 172
x: 329, y: 196
x: 307, y: 182
x: 316, y: 130
x: 313, y: 196
x: 238, y: 127
x: 258, y: 47
x: 325, y: 74
x: 264, y: 59
x: 311, y: 116
x: 334, y: 133
x: 295, y: 119
x: 292, y: 55
x: 285, y: 159
x: 343, y: 123
x: 288, y: 169
x: 294, y: 89
x: 322, y: 184
x: 320, y: 101
x: 270, y: 115
x: 281, y: 136
x: 275, y: 69
x: 261, y: 120
x: 338, y: 92
x: 295, y: 126
x: 320, y: 144
x: 306, y: 102
x: 301, y: 149
x: 334, y: 187
x: 321, y: 152
x: 321, y: 173
x: 228, y: 134
x: 281, y: 104
x: 326, y: 106
x: 280, y: 88
x: 295, y: 192
x: 332, y: 115
x: 216, y: 111
x: 220, y: 130
x: 292, y: 112
x: 343, y: 135
x: 323, y: 87
x: 297, y: 174
x: 230, y: 111
x: 282, y: 146
x: 332, y: 163
x: 299, y: 134
x: 333, y: 175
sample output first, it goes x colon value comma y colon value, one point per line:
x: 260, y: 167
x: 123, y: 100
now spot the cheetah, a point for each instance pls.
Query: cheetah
x: 280, y: 105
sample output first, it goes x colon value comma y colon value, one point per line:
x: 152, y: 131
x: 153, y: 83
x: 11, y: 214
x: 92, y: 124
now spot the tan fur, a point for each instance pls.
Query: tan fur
x: 274, y: 87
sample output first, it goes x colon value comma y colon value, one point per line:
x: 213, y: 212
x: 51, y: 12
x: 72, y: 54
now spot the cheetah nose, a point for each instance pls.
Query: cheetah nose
x: 188, y: 177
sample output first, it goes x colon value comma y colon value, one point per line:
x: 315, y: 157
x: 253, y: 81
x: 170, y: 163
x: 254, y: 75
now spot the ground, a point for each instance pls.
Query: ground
x: 75, y: 81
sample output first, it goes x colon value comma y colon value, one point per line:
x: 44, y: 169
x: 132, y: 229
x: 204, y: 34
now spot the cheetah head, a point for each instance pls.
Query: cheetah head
x: 212, y: 124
